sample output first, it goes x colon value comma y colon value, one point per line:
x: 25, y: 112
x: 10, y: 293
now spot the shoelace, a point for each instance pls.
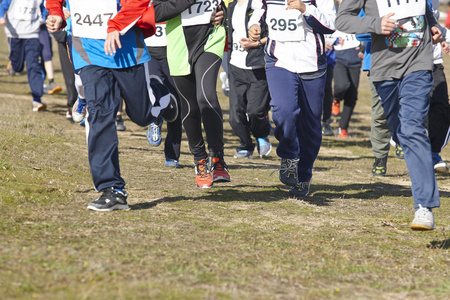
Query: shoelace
x: 202, y: 170
x: 291, y: 165
x: 379, y: 163
x: 155, y: 130
x: 219, y: 165
x: 422, y: 211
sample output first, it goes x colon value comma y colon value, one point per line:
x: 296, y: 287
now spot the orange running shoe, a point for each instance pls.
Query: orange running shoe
x: 203, y: 177
x: 342, y: 133
x: 220, y: 170
x: 335, y: 108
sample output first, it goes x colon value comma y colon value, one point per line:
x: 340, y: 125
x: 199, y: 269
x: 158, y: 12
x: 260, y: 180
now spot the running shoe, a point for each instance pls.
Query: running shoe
x: 288, y: 171
x: 219, y: 170
x: 264, y: 146
x: 399, y: 152
x: 69, y: 113
x: 52, y: 88
x: 327, y: 130
x: 225, y: 83
x: 203, y: 177
x: 440, y: 166
x: 154, y: 133
x: 83, y: 122
x: 170, y: 114
x: 379, y: 166
x: 423, y: 219
x: 111, y: 199
x: 335, y: 108
x: 342, y: 133
x: 120, y: 123
x: 79, y: 110
x: 301, y: 189
x: 244, y: 154
x: 10, y: 69
x: 172, y: 163
x: 39, y: 106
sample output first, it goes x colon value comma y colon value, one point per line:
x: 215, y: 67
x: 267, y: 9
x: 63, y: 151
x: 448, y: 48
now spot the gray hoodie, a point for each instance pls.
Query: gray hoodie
x: 408, y: 50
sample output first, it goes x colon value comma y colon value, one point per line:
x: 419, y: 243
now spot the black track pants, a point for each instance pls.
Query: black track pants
x: 199, y: 103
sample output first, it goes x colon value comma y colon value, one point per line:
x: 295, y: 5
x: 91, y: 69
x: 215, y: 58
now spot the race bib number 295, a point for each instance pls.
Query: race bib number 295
x: 90, y: 18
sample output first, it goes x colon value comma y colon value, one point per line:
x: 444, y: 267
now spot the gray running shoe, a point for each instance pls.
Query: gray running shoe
x: 423, y: 220
x: 110, y: 200
x: 243, y: 154
x: 327, y: 130
x: 120, y: 124
x: 288, y: 171
x: 301, y: 189
x: 264, y: 146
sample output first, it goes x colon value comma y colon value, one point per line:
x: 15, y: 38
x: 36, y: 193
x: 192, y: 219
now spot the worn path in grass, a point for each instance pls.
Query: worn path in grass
x: 241, y: 240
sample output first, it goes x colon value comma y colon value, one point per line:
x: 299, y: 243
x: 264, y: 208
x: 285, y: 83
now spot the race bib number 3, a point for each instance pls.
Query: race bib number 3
x: 199, y: 13
x: 90, y: 18
x: 401, y: 8
x: 159, y: 39
x: 285, y: 25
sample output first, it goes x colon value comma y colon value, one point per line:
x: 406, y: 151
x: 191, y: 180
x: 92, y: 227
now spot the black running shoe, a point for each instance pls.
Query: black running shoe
x: 288, y: 171
x: 110, y: 200
x: 379, y: 166
x: 301, y: 189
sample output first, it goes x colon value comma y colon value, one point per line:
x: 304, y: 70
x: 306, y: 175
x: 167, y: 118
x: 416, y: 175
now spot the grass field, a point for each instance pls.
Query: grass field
x: 242, y: 240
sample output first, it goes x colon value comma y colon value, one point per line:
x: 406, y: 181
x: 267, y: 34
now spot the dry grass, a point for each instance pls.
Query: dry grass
x: 241, y: 240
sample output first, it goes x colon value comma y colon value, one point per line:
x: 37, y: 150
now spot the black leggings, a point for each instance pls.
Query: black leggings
x: 346, y: 82
x: 199, y: 103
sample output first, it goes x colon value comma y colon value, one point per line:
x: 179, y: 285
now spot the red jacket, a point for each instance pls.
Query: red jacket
x: 132, y: 12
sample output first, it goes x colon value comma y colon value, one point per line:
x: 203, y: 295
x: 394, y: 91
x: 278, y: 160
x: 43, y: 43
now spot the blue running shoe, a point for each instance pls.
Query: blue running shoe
x: 264, y: 146
x: 172, y: 163
x: 79, y: 110
x: 243, y: 154
x: 82, y: 123
x: 154, y: 133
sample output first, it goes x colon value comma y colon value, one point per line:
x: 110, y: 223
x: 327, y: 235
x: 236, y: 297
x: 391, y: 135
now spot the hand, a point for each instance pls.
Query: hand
x: 217, y: 17
x: 254, y: 33
x: 328, y: 47
x: 387, y: 24
x: 54, y: 23
x: 296, y: 4
x: 112, y: 42
x: 445, y: 48
x: 341, y: 42
x: 436, y: 34
x: 66, y: 13
x: 361, y: 55
x: 247, y: 43
x: 2, y: 21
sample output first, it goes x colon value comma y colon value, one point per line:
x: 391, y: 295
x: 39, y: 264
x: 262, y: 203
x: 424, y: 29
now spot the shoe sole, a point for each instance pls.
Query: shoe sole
x: 115, y: 207
x: 221, y: 179
x: 40, y: 108
x: 248, y: 157
x: 55, y: 90
x: 205, y: 186
x: 421, y: 227
x: 441, y: 169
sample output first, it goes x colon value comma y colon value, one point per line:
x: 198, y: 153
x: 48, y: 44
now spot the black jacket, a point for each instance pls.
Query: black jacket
x: 255, y: 56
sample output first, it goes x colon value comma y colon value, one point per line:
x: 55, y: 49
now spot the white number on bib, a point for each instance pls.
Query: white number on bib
x: 159, y: 39
x: 26, y: 10
x: 401, y: 8
x: 285, y: 25
x: 199, y: 13
x: 90, y: 18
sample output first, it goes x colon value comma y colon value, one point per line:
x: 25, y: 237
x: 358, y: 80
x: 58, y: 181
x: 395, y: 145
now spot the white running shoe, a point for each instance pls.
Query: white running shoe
x: 423, y: 220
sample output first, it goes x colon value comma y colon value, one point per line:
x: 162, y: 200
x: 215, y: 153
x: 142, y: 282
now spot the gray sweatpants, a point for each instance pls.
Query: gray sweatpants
x: 379, y: 130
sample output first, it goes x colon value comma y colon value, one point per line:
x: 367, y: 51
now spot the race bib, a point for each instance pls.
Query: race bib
x: 285, y: 25
x: 90, y: 17
x: 349, y: 41
x: 26, y: 10
x: 199, y: 13
x: 159, y: 39
x: 401, y: 8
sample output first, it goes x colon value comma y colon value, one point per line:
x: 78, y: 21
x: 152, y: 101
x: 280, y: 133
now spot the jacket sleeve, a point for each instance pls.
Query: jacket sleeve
x: 322, y: 17
x: 130, y: 13
x: 259, y: 9
x: 168, y: 9
x: 347, y: 19
x: 55, y: 8
x: 4, y: 7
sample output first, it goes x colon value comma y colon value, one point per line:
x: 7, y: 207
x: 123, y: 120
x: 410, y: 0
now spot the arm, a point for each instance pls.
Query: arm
x: 320, y: 18
x: 366, y: 37
x: 168, y: 9
x: 130, y: 12
x: 55, y: 20
x: 347, y: 19
x: 4, y: 7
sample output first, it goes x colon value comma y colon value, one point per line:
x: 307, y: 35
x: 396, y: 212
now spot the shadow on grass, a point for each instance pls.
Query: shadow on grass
x: 271, y: 194
x: 444, y: 244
